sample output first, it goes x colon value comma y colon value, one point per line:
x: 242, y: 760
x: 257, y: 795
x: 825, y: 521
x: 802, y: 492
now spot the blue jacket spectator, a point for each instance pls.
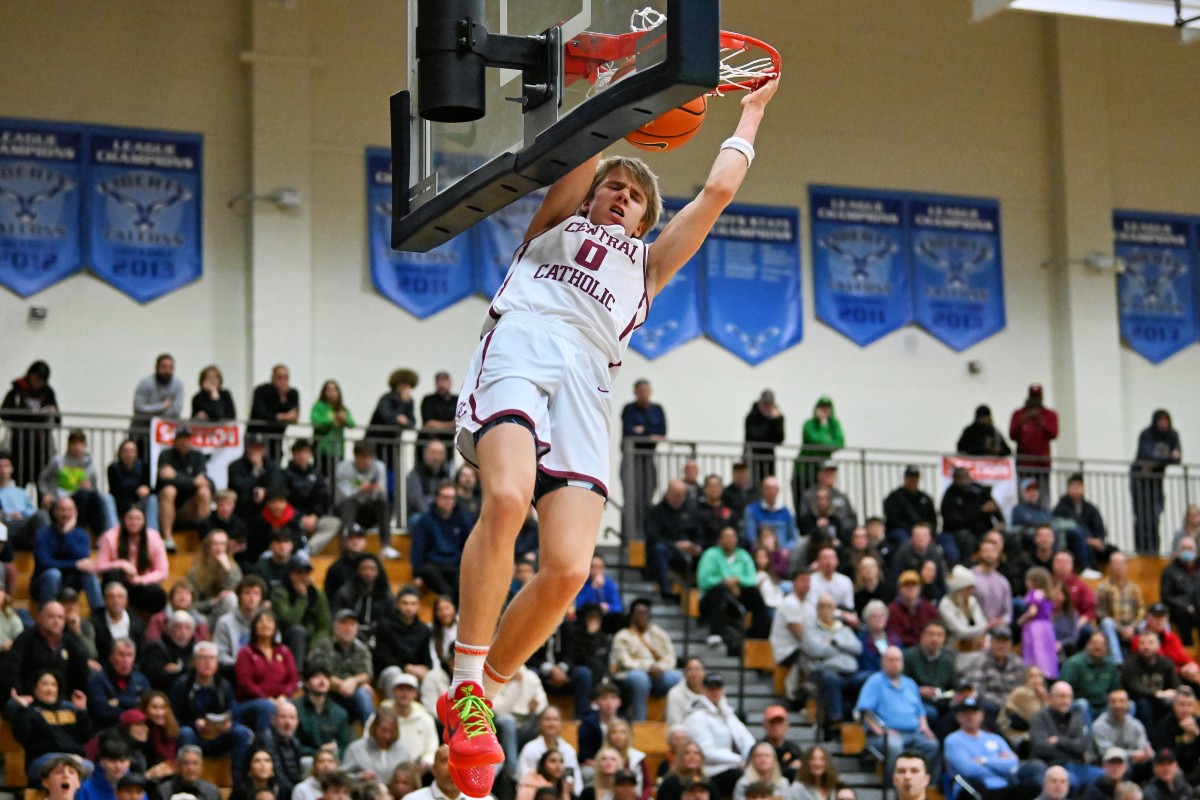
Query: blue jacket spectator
x: 116, y: 688
x: 985, y: 759
x: 600, y: 590
x: 57, y: 550
x: 439, y: 539
x: 766, y: 512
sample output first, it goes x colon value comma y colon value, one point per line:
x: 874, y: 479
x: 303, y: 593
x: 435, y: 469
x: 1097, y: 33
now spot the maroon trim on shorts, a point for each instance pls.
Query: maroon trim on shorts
x: 542, y: 447
x: 487, y: 342
x: 574, y: 476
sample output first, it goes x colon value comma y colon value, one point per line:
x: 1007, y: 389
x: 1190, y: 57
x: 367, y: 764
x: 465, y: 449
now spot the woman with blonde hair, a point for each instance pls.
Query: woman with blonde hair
x: 1023, y: 703
x: 1189, y: 529
x: 762, y: 765
x: 817, y: 777
x: 620, y: 738
x: 965, y: 621
x: 215, y: 575
x: 689, y: 764
x: 604, y: 777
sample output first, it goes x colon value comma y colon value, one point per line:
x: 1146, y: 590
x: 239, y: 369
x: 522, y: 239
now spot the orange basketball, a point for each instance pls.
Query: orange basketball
x: 673, y: 128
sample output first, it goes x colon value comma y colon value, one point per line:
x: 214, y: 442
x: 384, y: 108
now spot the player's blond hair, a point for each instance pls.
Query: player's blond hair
x: 636, y: 169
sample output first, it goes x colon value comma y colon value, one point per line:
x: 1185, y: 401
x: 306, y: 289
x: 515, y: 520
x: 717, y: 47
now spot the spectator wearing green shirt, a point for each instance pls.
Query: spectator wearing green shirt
x: 302, y: 609
x: 323, y: 723
x: 727, y: 580
x: 1092, y: 674
x: 931, y: 665
x: 330, y: 418
x: 820, y: 438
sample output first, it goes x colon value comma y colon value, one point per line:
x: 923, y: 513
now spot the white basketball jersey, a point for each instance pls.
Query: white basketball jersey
x: 591, y: 277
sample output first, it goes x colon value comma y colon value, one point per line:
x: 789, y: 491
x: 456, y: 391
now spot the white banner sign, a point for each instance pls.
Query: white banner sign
x: 998, y: 474
x: 222, y: 442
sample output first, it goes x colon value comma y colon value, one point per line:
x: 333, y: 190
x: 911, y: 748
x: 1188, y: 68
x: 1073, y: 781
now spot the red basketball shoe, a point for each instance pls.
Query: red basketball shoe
x: 469, y: 730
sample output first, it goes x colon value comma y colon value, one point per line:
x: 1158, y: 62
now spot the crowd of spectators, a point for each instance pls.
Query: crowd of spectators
x: 982, y: 645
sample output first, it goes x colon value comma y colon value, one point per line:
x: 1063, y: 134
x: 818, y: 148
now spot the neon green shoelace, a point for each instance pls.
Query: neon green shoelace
x: 475, y: 714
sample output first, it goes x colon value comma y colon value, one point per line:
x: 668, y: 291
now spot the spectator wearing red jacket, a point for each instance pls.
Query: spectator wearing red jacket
x: 1032, y: 428
x: 265, y: 670
x: 909, y: 613
x: 1172, y: 646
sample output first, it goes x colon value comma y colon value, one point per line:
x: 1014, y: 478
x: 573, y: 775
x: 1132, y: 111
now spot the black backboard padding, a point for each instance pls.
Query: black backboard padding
x: 690, y: 69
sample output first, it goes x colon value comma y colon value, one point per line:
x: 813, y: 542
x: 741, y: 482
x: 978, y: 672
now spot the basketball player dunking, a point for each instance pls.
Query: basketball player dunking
x: 534, y: 412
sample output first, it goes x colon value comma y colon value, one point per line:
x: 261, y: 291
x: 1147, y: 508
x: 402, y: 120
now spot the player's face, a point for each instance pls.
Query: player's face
x: 618, y: 200
x: 910, y: 778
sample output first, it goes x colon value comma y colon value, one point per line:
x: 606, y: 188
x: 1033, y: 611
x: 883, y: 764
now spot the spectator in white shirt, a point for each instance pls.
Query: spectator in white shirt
x: 550, y: 738
x: 787, y: 628
x: 679, y: 699
x: 827, y: 580
x: 442, y: 787
x: 517, y: 707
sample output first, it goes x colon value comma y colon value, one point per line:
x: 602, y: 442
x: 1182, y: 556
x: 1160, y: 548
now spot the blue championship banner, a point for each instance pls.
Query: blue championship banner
x: 499, y: 237
x: 421, y: 283
x: 1157, y: 292
x: 958, y: 280
x: 752, y: 281
x: 675, y: 314
x: 41, y: 177
x: 860, y: 262
x: 144, y: 209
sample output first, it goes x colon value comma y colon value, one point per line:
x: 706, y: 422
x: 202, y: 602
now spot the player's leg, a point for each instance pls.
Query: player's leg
x: 507, y: 458
x: 508, y: 471
x: 569, y: 520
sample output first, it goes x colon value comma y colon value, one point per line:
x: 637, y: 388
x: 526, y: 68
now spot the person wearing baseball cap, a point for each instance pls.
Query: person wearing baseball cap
x: 302, y: 608
x: 905, y: 506
x: 184, y: 488
x: 1168, y: 782
x: 985, y: 759
x: 909, y: 613
x: 1032, y: 428
x: 722, y: 737
x: 1115, y: 763
x: 820, y: 438
x: 775, y: 733
x: 1171, y: 646
x: 995, y: 674
x: 763, y: 430
x: 624, y: 785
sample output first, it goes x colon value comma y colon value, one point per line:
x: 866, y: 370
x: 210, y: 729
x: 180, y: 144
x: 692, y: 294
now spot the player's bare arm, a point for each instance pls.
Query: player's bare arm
x: 563, y: 198
x: 684, y: 234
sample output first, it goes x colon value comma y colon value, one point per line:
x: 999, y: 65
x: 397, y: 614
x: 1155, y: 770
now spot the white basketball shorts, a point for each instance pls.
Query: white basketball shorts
x: 549, y: 375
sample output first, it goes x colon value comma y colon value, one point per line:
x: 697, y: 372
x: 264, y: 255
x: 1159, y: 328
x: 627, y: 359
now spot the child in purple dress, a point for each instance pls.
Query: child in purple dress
x: 1038, y: 643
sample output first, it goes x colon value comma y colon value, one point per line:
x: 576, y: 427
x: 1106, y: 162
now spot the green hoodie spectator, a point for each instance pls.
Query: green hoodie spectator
x: 821, y: 437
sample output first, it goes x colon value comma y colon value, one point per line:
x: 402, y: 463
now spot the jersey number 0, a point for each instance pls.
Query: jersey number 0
x: 591, y: 255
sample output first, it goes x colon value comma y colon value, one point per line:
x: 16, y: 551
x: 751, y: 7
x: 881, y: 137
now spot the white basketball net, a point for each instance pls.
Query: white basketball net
x: 735, y: 67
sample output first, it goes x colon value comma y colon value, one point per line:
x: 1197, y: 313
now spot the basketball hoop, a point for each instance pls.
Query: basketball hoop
x: 746, y: 62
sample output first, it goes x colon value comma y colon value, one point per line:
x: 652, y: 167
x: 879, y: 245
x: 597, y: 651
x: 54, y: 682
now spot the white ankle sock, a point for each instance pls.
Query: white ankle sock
x: 493, y: 681
x: 468, y: 664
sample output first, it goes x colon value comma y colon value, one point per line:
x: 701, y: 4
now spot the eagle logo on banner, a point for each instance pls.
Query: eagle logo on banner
x: 1152, y: 275
x: 864, y: 251
x: 137, y: 204
x: 957, y: 256
x: 26, y: 187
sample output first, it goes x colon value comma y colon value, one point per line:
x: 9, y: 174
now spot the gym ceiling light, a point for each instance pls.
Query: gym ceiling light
x: 1182, y: 14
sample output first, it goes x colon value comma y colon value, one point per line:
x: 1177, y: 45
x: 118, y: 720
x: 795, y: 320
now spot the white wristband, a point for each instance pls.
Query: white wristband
x: 742, y: 146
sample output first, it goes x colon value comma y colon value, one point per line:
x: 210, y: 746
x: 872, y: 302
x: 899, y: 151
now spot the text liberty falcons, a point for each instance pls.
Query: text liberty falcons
x: 590, y: 257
